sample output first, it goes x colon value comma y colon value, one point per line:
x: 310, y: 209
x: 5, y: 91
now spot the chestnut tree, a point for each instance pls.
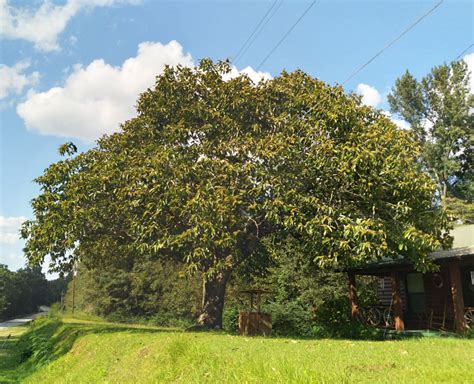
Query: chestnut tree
x: 212, y: 171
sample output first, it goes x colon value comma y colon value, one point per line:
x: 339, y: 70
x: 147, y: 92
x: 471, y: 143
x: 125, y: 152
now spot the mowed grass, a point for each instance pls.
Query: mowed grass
x: 99, y: 352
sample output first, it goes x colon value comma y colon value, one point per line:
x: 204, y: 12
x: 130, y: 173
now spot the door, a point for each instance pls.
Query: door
x: 467, y: 278
x: 416, y: 293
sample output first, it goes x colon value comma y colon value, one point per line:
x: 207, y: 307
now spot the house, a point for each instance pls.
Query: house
x: 412, y: 300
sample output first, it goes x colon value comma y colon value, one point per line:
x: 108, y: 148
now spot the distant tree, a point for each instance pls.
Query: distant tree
x: 212, y: 169
x: 439, y: 109
x: 7, y: 292
x: 58, y: 287
x: 32, y: 289
x: 151, y: 290
x: 24, y: 291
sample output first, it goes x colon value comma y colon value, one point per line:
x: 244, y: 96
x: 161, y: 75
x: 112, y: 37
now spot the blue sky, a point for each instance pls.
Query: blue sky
x: 72, y: 69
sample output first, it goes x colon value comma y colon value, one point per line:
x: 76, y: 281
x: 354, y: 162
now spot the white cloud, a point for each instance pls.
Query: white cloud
x: 95, y: 99
x: 42, y: 25
x: 370, y: 96
x: 13, y: 79
x: 9, y: 229
x: 469, y: 59
x: 254, y: 75
x: 399, y: 122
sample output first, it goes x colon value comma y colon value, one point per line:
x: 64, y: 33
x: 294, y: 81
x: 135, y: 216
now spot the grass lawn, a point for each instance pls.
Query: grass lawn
x: 81, y: 351
x: 8, y: 338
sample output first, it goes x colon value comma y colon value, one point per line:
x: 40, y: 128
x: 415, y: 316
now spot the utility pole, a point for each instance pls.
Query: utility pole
x: 62, y: 302
x: 73, y: 288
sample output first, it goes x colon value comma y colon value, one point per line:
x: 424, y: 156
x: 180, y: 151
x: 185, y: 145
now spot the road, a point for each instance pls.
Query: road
x: 21, y: 321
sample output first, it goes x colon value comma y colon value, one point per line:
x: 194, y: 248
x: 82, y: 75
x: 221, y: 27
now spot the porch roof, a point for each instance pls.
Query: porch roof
x: 463, y: 248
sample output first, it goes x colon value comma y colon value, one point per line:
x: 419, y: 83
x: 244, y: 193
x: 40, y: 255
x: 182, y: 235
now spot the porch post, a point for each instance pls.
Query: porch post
x: 397, y: 301
x: 457, y: 294
x: 353, y: 295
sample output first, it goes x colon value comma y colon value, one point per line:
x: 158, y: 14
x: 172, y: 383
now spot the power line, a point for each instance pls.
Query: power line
x: 394, y: 41
x: 463, y: 52
x: 261, y: 29
x: 236, y: 56
x: 286, y: 35
x: 388, y: 46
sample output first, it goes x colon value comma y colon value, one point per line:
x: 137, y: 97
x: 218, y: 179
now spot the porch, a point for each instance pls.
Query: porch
x: 407, y: 299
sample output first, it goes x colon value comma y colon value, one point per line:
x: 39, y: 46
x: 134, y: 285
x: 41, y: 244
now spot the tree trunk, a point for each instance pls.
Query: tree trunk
x: 444, y: 193
x: 213, y: 301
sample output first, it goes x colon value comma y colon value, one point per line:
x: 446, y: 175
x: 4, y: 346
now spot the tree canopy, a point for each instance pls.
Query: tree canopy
x: 213, y: 171
x: 23, y: 291
x: 439, y: 109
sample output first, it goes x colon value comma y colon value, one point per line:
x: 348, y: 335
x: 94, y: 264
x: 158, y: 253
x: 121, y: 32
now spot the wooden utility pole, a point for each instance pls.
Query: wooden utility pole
x: 62, y: 302
x: 73, y: 289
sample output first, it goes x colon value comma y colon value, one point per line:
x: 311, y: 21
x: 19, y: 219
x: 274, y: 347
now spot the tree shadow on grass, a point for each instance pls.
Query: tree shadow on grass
x: 52, y: 339
x: 8, y: 359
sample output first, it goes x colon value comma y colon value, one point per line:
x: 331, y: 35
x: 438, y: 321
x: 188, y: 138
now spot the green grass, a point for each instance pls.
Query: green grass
x: 82, y: 351
x: 8, y: 361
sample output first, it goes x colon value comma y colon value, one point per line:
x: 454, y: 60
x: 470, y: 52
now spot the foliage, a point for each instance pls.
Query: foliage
x: 230, y: 319
x: 212, y: 170
x: 304, y: 301
x: 151, y: 291
x: 291, y: 319
x: 36, y: 348
x: 332, y: 319
x: 7, y: 291
x: 439, y: 110
x: 23, y: 291
x: 460, y: 210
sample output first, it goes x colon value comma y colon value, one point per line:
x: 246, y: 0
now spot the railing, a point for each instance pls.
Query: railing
x: 383, y: 316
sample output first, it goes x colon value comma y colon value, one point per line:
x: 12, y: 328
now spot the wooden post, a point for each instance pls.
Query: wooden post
x: 353, y: 296
x: 397, y: 302
x: 73, y: 290
x: 458, y: 299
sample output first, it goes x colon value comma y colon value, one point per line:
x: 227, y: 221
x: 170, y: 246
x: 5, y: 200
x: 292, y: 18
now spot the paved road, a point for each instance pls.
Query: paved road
x: 21, y: 321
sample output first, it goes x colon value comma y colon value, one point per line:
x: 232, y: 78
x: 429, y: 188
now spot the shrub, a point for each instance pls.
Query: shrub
x: 36, y: 345
x: 230, y: 319
x: 290, y: 319
x: 333, y: 319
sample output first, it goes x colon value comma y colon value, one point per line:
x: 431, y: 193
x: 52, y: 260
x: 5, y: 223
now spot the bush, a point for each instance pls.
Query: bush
x: 333, y: 319
x: 469, y: 334
x: 230, y: 319
x: 36, y: 345
x: 290, y: 319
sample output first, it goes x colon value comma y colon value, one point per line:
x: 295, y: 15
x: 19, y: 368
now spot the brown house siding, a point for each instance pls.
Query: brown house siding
x: 439, y: 311
x: 384, y: 292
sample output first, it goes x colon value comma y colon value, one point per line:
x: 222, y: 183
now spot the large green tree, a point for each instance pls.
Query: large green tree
x: 212, y: 172
x: 439, y: 109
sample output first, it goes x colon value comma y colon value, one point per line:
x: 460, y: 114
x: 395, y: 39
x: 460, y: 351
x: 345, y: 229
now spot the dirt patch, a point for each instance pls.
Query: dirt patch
x: 144, y: 352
